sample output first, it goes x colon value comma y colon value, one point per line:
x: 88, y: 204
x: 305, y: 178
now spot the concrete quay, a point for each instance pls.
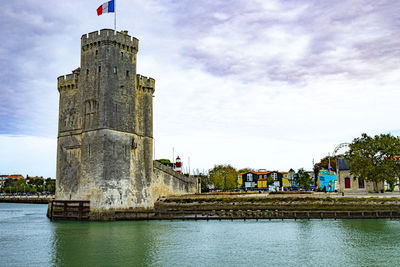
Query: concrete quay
x: 239, y: 206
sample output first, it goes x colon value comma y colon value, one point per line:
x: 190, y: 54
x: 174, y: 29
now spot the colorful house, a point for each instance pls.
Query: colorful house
x: 247, y: 180
x: 286, y: 180
x: 259, y: 180
x: 253, y: 180
x: 262, y: 183
x: 327, y: 180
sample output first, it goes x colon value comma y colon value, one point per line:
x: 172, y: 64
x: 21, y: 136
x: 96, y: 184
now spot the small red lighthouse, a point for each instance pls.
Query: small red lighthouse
x: 178, y: 165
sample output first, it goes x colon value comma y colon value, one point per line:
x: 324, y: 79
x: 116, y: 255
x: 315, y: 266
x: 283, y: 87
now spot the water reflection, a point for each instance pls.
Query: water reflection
x: 104, y: 243
x: 27, y: 237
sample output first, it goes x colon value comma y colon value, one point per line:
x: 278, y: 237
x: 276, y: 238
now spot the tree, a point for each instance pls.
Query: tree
x: 36, y: 183
x: 324, y: 162
x: 224, y: 177
x: 371, y: 158
x: 204, y: 182
x: 165, y: 162
x: 270, y: 180
x: 303, y: 179
x: 50, y: 185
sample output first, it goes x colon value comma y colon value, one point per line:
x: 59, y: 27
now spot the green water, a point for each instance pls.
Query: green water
x: 28, y: 238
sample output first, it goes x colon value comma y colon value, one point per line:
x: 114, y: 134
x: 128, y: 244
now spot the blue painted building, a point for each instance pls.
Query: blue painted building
x: 327, y: 180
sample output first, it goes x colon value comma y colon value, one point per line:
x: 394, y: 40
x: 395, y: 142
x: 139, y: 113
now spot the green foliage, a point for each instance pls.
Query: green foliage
x: 35, y: 182
x: 270, y: 180
x: 224, y: 177
x: 34, y: 185
x: 303, y: 179
x: 370, y: 158
x: 50, y: 185
x: 204, y: 182
x: 166, y: 162
x: 324, y: 162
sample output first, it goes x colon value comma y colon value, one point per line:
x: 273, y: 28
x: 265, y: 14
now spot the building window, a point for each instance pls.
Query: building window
x: 274, y: 176
x: 99, y: 68
x: 115, y: 70
x: 249, y: 177
x: 361, y: 183
x: 347, y: 182
x: 127, y: 74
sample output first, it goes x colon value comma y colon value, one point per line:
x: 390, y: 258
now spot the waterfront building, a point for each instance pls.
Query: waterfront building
x: 350, y: 183
x: 248, y: 180
x: 327, y: 180
x: 286, y: 181
x: 240, y: 181
x: 292, y: 179
x: 258, y: 180
x: 16, y: 176
x: 262, y: 184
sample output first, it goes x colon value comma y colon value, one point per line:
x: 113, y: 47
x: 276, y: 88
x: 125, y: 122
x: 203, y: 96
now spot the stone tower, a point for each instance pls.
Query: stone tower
x: 105, y: 133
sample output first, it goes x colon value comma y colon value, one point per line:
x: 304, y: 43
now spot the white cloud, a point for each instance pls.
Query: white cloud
x: 263, y: 84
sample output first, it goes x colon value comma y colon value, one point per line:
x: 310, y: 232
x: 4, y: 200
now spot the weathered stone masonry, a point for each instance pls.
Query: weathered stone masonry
x: 105, y: 130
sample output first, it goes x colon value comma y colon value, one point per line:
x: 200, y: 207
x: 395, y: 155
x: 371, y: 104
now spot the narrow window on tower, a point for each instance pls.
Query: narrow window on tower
x: 122, y: 54
x: 87, y: 72
x: 89, y: 150
x: 97, y: 52
x: 115, y: 70
x: 127, y: 74
x: 99, y: 68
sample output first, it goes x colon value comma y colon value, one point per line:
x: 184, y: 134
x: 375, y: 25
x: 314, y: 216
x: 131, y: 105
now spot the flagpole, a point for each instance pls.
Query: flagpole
x: 115, y: 15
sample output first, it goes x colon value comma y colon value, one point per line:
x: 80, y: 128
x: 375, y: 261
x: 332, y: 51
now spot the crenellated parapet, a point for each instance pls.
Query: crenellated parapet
x: 145, y: 83
x: 109, y: 37
x: 69, y: 81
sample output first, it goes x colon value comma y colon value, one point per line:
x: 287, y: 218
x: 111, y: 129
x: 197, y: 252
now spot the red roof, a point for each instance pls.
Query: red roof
x: 267, y: 172
x: 15, y: 176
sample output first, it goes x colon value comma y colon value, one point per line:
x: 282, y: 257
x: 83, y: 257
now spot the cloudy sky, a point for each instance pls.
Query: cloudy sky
x: 261, y: 83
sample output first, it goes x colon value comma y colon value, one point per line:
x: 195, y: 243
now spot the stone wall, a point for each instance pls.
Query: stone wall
x: 168, y: 182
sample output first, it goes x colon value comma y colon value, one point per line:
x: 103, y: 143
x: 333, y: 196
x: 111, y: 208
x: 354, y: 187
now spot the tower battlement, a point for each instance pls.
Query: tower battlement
x: 108, y: 36
x: 69, y: 81
x: 144, y: 82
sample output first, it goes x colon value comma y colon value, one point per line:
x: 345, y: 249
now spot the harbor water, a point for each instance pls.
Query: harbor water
x: 28, y: 238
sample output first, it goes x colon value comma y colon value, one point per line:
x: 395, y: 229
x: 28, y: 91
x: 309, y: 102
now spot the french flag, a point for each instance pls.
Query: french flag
x: 107, y: 7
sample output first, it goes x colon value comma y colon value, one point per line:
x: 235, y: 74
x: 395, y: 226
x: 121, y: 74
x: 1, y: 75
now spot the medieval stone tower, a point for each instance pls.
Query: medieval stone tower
x: 105, y: 133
